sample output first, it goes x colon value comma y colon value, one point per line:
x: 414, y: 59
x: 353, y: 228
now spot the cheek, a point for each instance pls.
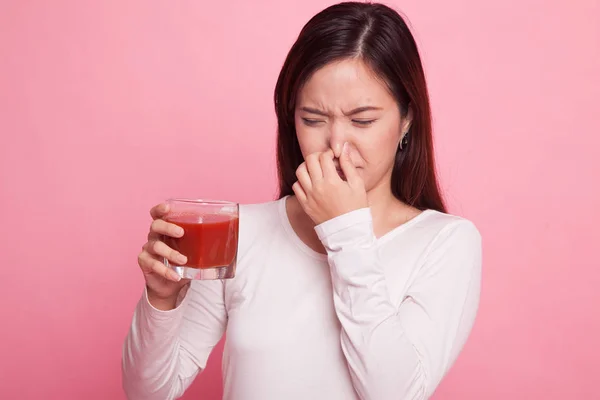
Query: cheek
x: 379, y: 150
x: 303, y: 139
x: 309, y: 139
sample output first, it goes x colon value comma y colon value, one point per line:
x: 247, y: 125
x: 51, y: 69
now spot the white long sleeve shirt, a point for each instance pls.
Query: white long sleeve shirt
x: 374, y: 318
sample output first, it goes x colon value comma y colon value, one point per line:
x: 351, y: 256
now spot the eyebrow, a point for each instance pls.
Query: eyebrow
x: 351, y: 112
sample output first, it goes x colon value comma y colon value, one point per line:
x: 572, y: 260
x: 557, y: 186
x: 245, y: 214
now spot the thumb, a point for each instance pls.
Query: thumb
x: 347, y: 167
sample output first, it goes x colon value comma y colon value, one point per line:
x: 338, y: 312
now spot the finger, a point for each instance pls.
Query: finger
x: 314, y: 167
x: 153, y: 235
x: 299, y: 192
x: 348, y: 168
x: 159, y: 210
x: 304, y: 177
x: 149, y: 265
x: 163, y: 227
x: 327, y: 165
x: 161, y: 249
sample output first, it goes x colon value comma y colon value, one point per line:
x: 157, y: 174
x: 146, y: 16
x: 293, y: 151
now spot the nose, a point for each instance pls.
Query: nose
x: 337, y: 138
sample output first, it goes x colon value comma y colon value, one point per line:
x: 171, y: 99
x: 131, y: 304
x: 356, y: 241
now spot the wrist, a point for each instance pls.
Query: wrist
x: 162, y: 303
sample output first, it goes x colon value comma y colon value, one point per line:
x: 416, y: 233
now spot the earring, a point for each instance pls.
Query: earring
x: 404, y: 141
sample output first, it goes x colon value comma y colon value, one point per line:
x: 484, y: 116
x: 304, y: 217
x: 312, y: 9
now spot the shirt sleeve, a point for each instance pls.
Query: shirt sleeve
x: 165, y: 350
x: 402, y: 352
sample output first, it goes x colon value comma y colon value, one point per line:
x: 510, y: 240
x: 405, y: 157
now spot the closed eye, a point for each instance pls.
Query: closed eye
x: 363, y: 122
x: 312, y: 122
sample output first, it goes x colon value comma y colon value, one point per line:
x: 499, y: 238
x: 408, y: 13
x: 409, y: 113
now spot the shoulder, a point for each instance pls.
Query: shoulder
x: 265, y: 213
x: 258, y: 220
x: 445, y: 225
x: 453, y: 240
x: 437, y: 236
x: 433, y: 227
x: 453, y: 228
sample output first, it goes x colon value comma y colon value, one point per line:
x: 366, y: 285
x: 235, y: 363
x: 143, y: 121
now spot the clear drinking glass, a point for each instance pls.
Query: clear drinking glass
x: 210, y: 239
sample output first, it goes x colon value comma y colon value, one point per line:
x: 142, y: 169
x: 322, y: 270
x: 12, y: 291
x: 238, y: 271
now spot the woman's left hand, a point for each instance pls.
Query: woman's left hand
x: 322, y: 193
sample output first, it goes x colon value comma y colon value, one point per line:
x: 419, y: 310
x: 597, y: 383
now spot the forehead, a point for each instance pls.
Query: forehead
x: 347, y: 81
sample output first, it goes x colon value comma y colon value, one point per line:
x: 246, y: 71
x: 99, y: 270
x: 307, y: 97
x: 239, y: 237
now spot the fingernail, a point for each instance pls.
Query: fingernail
x: 345, y: 148
x: 181, y: 259
x: 175, y: 276
x: 337, y: 149
x: 179, y: 231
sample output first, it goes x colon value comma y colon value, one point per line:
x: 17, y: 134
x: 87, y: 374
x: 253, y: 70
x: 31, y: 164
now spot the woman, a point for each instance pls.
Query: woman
x: 356, y: 283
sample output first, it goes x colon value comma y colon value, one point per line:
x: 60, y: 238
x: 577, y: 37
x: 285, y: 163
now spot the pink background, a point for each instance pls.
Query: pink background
x: 108, y: 107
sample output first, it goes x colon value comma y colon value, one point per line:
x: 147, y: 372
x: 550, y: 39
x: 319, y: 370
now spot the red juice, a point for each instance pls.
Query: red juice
x: 208, y: 241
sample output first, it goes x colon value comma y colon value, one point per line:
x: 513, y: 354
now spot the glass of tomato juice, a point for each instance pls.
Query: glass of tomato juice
x: 210, y: 238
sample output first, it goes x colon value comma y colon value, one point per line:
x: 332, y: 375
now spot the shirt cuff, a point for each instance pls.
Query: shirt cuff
x: 354, y: 228
x: 157, y: 315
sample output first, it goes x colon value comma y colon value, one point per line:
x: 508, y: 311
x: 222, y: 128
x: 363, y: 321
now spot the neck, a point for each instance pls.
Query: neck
x: 381, y: 199
x: 388, y: 212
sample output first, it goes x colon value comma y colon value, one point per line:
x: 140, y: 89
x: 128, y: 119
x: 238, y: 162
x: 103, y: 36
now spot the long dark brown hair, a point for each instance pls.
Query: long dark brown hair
x: 380, y: 37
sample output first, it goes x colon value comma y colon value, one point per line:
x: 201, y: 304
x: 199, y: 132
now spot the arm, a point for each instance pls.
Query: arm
x: 165, y: 350
x: 401, y: 352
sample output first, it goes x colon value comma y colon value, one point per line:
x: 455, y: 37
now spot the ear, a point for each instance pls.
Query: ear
x: 407, y: 121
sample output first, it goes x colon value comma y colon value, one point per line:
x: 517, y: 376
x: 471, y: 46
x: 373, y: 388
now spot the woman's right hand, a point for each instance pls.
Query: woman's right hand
x: 163, y: 284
